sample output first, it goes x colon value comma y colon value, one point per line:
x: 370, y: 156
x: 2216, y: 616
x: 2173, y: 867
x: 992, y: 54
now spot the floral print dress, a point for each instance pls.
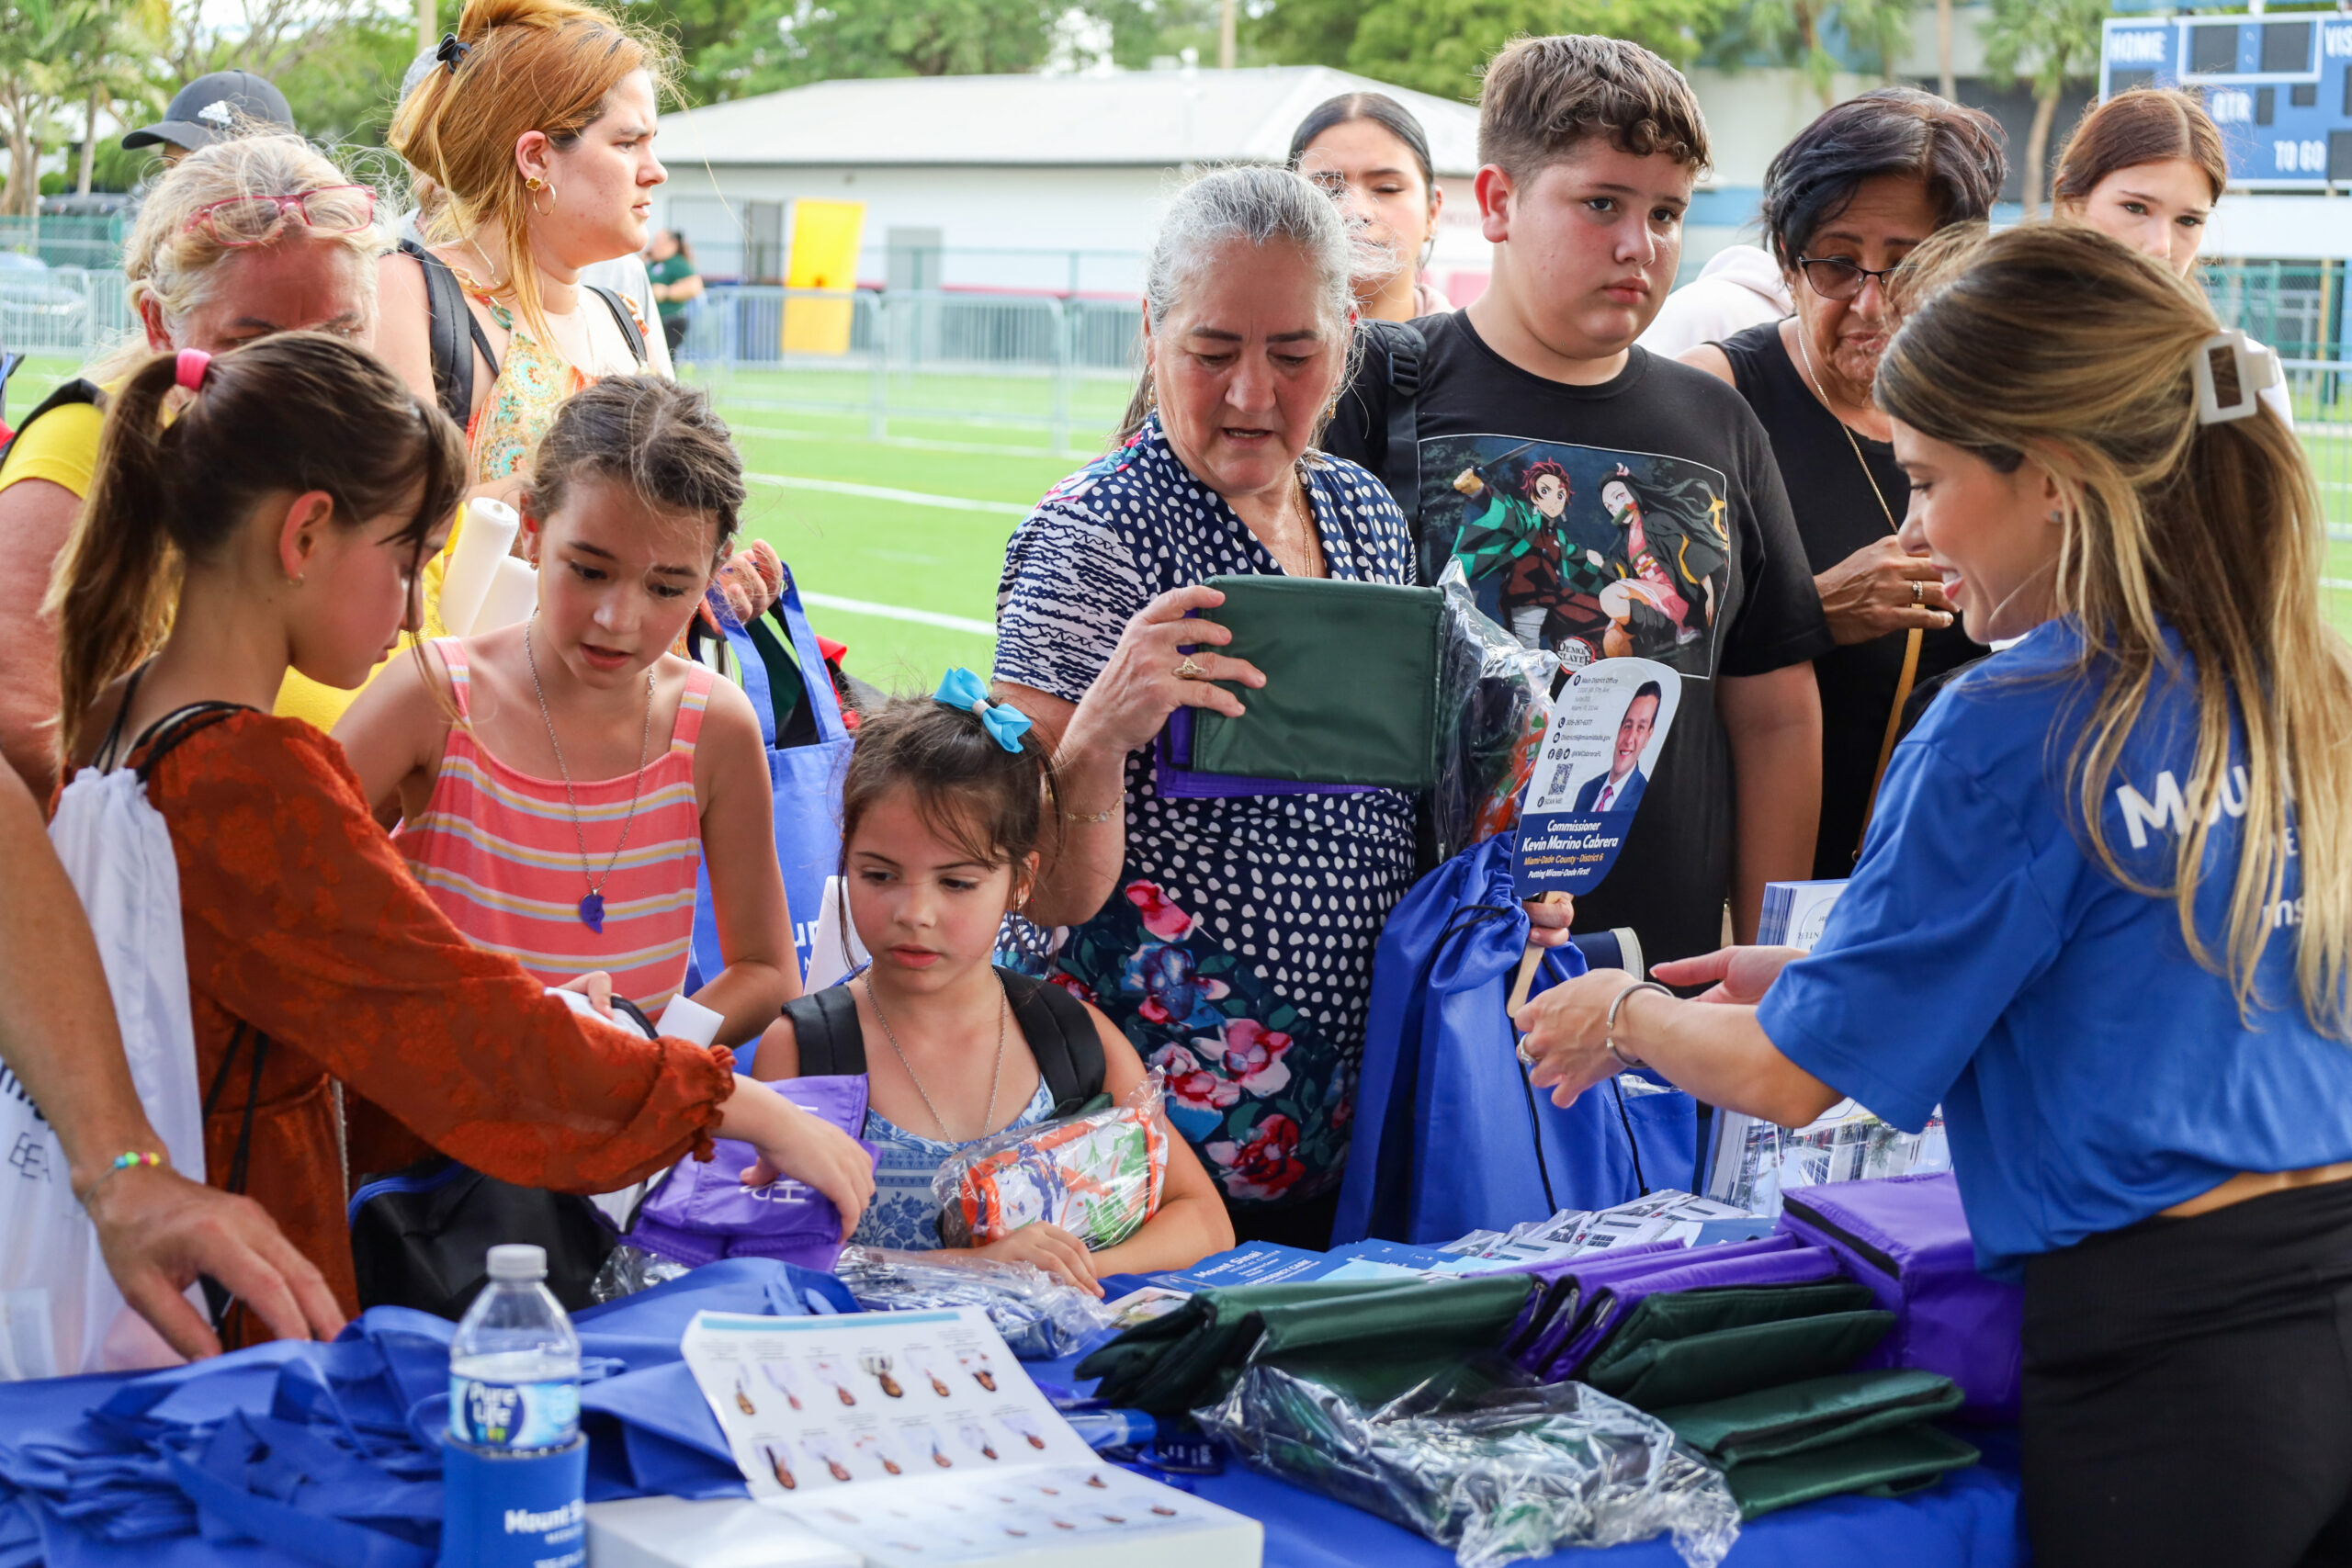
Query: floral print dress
x: 1236, y: 954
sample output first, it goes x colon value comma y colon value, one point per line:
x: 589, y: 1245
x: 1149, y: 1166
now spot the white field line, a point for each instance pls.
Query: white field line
x: 896, y: 613
x: 884, y: 493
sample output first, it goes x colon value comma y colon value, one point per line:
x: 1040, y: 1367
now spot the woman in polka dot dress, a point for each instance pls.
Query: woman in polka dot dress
x: 1234, y: 948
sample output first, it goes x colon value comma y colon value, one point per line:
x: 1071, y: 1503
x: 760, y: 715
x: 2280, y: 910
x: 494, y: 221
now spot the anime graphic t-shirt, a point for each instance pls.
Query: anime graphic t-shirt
x: 1642, y: 517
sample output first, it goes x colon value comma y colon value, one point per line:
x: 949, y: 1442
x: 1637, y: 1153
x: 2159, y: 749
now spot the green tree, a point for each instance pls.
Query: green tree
x: 343, y: 91
x: 2045, y: 44
x: 1805, y: 34
x: 796, y: 41
x: 1442, y: 46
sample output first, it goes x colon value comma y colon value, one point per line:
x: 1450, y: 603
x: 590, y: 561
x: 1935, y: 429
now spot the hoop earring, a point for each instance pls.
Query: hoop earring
x: 534, y: 183
x: 1150, y: 393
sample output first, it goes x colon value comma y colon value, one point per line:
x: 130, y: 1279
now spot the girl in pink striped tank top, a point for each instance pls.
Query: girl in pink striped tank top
x: 560, y: 782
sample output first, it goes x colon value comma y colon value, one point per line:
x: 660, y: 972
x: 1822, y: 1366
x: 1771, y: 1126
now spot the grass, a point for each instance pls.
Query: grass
x: 805, y: 439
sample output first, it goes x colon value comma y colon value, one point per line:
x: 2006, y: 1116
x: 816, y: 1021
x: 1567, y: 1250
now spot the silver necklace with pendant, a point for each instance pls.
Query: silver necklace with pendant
x: 592, y: 908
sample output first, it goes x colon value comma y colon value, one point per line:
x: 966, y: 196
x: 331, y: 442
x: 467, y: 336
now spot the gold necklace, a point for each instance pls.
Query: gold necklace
x: 1815, y: 385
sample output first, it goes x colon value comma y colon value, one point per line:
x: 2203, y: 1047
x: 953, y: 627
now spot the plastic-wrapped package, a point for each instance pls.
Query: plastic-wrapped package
x: 628, y: 1269
x: 1482, y: 1459
x: 1495, y: 696
x: 1039, y: 1316
x: 1097, y: 1175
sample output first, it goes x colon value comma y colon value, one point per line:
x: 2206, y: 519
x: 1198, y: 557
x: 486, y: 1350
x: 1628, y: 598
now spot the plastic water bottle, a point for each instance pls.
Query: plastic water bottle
x: 514, y: 1362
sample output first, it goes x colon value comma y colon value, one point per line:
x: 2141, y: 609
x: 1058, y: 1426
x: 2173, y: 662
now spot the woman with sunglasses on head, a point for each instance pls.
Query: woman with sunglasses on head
x: 250, y: 236
x: 2103, y: 917
x: 1844, y: 204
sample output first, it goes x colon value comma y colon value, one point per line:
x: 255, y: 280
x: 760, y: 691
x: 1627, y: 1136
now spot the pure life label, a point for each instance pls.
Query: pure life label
x: 1600, y: 748
x: 522, y: 1417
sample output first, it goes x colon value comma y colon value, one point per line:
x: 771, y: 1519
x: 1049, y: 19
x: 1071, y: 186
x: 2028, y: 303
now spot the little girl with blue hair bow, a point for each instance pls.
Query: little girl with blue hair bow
x: 945, y: 813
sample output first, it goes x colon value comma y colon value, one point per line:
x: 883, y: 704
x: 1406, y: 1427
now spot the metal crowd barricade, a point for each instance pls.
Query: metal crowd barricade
x: 913, y: 357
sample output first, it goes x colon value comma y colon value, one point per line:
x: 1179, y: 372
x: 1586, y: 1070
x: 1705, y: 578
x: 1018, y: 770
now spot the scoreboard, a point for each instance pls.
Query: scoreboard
x: 2279, y: 88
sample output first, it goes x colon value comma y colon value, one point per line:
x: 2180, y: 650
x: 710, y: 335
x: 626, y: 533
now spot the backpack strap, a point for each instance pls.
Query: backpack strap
x: 1061, y: 1036
x: 626, y: 317
x: 164, y: 737
x: 826, y: 1031
x: 78, y: 390
x: 1404, y: 350
x: 450, y: 323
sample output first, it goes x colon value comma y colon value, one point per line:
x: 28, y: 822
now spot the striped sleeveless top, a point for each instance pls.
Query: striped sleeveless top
x: 496, y: 850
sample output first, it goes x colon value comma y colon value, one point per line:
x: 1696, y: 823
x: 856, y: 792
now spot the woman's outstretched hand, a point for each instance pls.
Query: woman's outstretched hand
x: 1740, y: 974
x: 158, y: 1231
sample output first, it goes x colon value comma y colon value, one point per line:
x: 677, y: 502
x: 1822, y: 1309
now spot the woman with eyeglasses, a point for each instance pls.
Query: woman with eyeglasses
x: 1844, y: 204
x: 250, y: 236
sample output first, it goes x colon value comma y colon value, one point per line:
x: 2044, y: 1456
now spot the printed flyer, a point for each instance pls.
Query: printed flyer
x: 1601, y: 746
x: 809, y: 1403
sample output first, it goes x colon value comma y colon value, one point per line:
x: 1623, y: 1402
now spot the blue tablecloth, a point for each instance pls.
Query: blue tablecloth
x: 47, y: 1429
x: 1969, y: 1520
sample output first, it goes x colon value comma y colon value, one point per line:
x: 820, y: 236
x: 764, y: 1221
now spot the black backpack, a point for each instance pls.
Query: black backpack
x: 78, y: 390
x: 1059, y: 1031
x: 421, y: 1235
x: 450, y: 322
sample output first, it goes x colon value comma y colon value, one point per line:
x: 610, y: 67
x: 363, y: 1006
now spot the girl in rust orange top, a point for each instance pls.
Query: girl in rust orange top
x: 277, y: 522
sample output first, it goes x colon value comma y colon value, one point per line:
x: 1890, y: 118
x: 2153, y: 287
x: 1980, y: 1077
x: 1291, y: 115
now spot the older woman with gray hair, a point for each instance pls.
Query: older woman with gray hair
x: 1844, y: 203
x: 1230, y: 939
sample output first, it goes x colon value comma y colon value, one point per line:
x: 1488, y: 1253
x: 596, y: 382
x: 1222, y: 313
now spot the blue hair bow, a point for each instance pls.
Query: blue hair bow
x: 961, y: 690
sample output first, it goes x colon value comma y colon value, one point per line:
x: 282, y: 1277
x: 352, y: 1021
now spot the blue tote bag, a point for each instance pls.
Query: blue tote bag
x: 1448, y: 1137
x: 805, y: 779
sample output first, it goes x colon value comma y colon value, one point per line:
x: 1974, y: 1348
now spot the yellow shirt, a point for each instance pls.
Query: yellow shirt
x: 62, y: 447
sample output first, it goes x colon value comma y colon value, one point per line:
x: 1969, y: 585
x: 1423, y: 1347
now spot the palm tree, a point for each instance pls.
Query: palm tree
x: 1797, y: 33
x: 2045, y: 44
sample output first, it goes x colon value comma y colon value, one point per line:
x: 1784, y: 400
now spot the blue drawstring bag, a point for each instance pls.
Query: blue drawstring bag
x: 1449, y: 1136
x: 806, y: 778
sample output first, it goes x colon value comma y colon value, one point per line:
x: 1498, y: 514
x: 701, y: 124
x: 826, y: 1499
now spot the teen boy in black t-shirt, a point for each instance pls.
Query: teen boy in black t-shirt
x: 1605, y: 502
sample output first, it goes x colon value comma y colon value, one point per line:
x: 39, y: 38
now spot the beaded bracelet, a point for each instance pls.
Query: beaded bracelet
x: 124, y: 1161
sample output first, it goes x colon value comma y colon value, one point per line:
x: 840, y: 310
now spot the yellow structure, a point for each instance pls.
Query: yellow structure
x: 825, y: 235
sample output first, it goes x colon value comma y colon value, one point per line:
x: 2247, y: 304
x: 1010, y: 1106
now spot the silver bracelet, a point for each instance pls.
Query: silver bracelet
x: 1609, y: 1043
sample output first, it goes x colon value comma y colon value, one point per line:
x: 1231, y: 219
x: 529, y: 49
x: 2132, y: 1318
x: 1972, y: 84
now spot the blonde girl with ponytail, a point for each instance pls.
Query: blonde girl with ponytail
x: 277, y: 522
x: 2104, y: 913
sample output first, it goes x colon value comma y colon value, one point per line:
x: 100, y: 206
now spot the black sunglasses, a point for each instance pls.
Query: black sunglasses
x: 1842, y: 280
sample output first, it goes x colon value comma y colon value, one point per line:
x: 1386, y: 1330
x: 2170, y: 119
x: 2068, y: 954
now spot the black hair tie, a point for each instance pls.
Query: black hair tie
x: 451, y: 52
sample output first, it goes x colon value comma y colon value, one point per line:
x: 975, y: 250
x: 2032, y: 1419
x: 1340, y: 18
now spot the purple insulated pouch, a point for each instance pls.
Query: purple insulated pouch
x: 1709, y: 1269
x: 1173, y: 779
x: 1907, y: 1238
x: 1577, y: 1285
x: 702, y: 1211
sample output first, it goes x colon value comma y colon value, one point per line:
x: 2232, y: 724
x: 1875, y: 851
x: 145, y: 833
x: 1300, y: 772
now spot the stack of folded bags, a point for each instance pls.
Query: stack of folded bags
x: 1805, y: 1364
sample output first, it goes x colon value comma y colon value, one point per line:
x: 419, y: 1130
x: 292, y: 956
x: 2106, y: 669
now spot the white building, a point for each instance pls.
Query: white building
x: 1047, y: 182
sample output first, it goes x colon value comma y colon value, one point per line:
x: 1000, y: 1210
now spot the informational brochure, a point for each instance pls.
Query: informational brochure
x: 1600, y: 750
x: 916, y: 1438
x: 811, y: 1402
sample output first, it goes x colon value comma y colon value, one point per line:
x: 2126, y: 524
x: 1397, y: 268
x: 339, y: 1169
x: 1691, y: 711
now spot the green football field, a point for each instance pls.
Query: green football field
x: 897, y: 542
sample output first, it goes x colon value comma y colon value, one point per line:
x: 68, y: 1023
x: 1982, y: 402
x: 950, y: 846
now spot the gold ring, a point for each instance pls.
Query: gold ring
x: 1918, y: 592
x: 1191, y: 669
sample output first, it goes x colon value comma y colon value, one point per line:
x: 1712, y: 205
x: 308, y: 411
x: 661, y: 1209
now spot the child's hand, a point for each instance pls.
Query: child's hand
x: 1050, y: 1247
x: 598, y: 987
x: 815, y: 1152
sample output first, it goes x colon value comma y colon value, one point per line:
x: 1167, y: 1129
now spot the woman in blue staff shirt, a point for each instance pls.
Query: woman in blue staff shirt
x: 2104, y: 914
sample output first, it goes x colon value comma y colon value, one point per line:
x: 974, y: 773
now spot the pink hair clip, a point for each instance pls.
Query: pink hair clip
x: 193, y: 364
